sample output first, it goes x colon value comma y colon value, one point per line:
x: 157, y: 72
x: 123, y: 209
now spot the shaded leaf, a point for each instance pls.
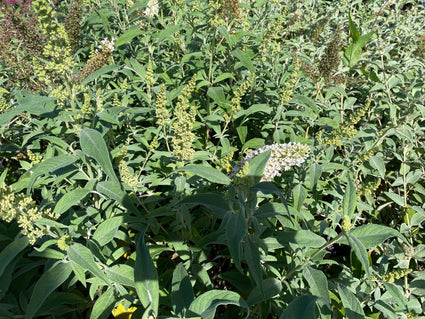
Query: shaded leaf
x: 103, y: 306
x: 107, y: 230
x: 303, y: 307
x: 209, y: 173
x: 352, y: 306
x: 70, y: 199
x: 181, y: 290
x: 48, y: 282
x: 11, y: 251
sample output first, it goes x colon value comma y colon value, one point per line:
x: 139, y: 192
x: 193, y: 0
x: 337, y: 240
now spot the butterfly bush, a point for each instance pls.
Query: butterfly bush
x: 282, y: 158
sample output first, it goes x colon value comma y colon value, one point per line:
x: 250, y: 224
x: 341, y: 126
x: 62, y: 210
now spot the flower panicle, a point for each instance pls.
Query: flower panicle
x: 282, y: 158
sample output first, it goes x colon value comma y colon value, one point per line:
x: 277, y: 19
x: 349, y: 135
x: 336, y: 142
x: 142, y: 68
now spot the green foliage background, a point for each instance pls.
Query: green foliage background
x: 119, y: 126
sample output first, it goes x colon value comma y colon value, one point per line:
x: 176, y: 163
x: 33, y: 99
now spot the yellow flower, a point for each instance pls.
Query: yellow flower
x: 121, y: 313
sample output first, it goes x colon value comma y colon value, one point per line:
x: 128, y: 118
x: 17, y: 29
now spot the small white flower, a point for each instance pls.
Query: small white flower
x: 152, y: 9
x: 108, y: 45
x: 282, y: 157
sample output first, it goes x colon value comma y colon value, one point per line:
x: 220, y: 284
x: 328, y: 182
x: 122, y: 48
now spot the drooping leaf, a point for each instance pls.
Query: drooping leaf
x: 236, y: 230
x: 113, y: 190
x: 70, y: 199
x: 214, y: 201
x: 302, y: 307
x: 399, y: 200
x: 48, y: 166
x: 181, y: 290
x: 350, y: 199
x: 303, y: 238
x: 352, y: 306
x: 107, y: 230
x: 372, y: 235
x: 93, y: 145
x: 317, y: 282
x: 103, y: 306
x: 146, y: 277
x: 96, y: 74
x: 269, y: 288
x: 48, y: 282
x: 252, y: 257
x: 127, y: 36
x: 360, y: 251
x: 11, y: 251
x: 209, y: 173
x: 121, y: 274
x: 378, y: 163
x: 299, y: 195
x: 206, y: 304
x: 83, y: 257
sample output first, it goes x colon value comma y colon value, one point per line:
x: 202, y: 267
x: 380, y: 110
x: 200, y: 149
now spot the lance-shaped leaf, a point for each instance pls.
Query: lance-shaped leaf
x: 93, y: 145
x: 146, y: 277
x: 181, y: 290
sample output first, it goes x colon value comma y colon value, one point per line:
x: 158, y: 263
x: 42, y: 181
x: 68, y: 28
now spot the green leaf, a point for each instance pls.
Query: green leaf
x: 121, y: 274
x: 317, y: 282
x: 299, y: 195
x: 399, y: 200
x: 113, y: 191
x: 214, y: 201
x: 378, y: 163
x: 128, y: 36
x: 83, y: 257
x: 352, y: 306
x: 360, y: 252
x: 396, y: 293
x: 209, y: 173
x: 104, y: 304
x: 257, y: 165
x: 48, y: 166
x: 303, y: 307
x: 252, y: 257
x: 93, y: 145
x: 11, y: 251
x: 350, y: 199
x: 107, y: 230
x: 354, y: 32
x: 48, y: 282
x: 205, y: 305
x: 181, y: 290
x: 70, y: 199
x: 168, y: 32
x: 303, y: 238
x: 269, y: 288
x: 217, y: 94
x: 236, y: 230
x: 103, y: 70
x: 354, y: 51
x: 372, y: 235
x: 245, y: 59
x: 315, y: 171
x: 146, y: 278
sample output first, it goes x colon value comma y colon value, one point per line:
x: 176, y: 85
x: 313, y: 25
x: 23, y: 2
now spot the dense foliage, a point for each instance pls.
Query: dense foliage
x: 214, y: 159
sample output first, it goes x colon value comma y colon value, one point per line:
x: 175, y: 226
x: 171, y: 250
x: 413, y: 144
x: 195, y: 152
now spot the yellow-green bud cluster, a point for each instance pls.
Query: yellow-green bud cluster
x: 242, y: 180
x: 240, y: 92
x: 368, y: 188
x: 346, y: 224
x: 124, y: 85
x: 185, y: 115
x: 224, y: 162
x: 149, y: 78
x: 282, y: 158
x: 126, y: 176
x: 395, y: 274
x: 346, y: 130
x: 270, y: 44
x: 86, y: 109
x: 116, y: 102
x: 154, y: 144
x: 24, y: 210
x: 287, y: 93
x: 99, y: 101
x: 34, y: 158
x: 120, y: 156
x: 161, y: 112
x: 364, y: 157
x: 3, y: 105
x: 64, y: 242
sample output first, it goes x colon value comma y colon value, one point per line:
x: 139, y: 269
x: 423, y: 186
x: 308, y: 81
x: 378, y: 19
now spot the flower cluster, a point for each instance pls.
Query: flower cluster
x: 24, y: 210
x: 161, y: 112
x: 98, y: 58
x: 394, y: 274
x: 152, y: 9
x: 282, y: 158
x: 240, y: 92
x: 287, y: 93
x: 185, y: 117
x: 72, y: 23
